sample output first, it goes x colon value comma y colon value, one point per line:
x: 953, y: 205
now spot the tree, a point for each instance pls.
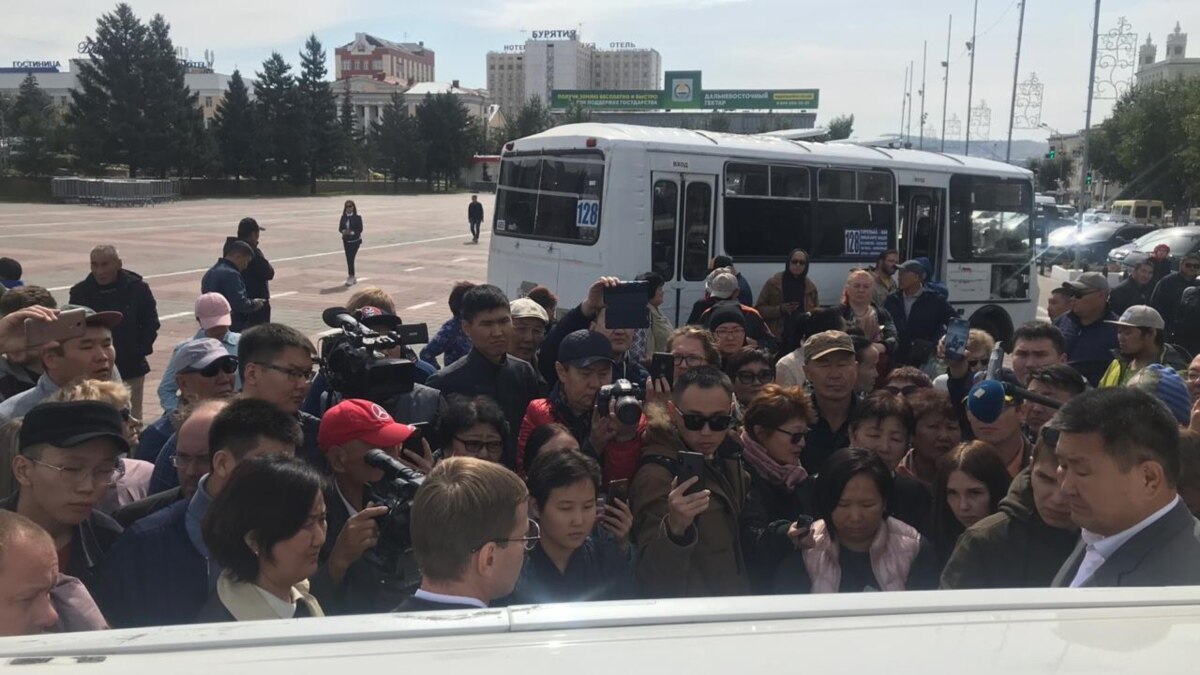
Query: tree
x: 841, y: 127
x: 172, y: 125
x: 575, y: 114
x: 1150, y: 144
x: 234, y: 127
x: 279, y: 144
x: 1052, y: 174
x: 106, y: 113
x: 446, y: 127
x: 396, y: 144
x: 352, y: 139
x: 532, y: 118
x: 320, y: 139
x: 36, y: 130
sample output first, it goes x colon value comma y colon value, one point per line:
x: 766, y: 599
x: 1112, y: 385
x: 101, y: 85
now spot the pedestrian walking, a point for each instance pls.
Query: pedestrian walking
x: 351, y: 227
x: 475, y: 217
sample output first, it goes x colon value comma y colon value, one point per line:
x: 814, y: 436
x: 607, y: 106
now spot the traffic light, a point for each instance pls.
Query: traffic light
x: 1051, y: 154
x: 1088, y: 179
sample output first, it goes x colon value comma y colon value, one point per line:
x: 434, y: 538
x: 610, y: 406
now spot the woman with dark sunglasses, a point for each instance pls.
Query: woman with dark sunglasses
x: 775, y: 425
x: 750, y: 370
x: 689, y: 493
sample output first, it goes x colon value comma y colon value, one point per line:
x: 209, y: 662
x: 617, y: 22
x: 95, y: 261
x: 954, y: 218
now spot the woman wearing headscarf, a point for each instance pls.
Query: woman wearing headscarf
x: 787, y: 293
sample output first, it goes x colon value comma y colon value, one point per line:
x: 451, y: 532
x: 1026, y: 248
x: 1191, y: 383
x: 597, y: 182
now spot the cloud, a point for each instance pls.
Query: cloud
x: 531, y: 14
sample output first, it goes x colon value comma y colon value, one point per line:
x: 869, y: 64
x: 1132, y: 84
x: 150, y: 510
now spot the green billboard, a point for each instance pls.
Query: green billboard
x: 684, y: 91
x: 598, y: 99
x: 761, y: 99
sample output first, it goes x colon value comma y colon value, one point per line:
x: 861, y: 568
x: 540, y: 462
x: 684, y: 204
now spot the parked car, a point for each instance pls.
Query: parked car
x: 1180, y: 240
x: 1089, y: 242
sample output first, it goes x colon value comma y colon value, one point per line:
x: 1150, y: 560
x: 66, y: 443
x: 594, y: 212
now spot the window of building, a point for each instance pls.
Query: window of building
x: 208, y: 102
x: 346, y: 64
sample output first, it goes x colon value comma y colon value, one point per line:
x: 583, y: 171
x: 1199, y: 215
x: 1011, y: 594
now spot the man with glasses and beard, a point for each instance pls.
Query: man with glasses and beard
x: 689, y: 541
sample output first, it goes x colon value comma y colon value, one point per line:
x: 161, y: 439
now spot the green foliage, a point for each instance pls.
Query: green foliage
x: 447, y: 129
x: 353, y: 154
x: 173, y: 127
x: 1151, y: 144
x: 395, y: 143
x: 841, y: 127
x: 234, y: 127
x: 576, y: 114
x: 279, y: 150
x: 320, y: 139
x: 533, y: 118
x: 36, y: 130
x: 1049, y: 172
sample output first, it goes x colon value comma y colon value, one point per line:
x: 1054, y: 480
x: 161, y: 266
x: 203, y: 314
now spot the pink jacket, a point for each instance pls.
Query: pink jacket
x: 892, y: 554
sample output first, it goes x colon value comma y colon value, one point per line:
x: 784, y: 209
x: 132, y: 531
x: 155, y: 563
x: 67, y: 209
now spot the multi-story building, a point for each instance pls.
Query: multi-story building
x: 538, y: 67
x: 372, y: 56
x: 370, y: 95
x: 1175, y: 67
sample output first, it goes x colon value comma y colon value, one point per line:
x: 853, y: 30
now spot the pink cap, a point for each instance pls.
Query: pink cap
x: 212, y: 310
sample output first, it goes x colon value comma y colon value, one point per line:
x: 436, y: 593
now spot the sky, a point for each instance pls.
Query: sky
x: 854, y: 51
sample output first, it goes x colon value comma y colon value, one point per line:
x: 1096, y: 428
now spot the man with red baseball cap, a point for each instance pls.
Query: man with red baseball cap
x: 347, y: 583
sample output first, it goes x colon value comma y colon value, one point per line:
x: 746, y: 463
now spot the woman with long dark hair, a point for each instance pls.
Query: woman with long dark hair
x: 970, y: 483
x: 351, y: 227
x: 787, y: 294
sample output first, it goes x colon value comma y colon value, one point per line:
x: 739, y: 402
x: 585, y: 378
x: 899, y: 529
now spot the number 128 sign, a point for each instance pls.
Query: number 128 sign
x: 587, y: 213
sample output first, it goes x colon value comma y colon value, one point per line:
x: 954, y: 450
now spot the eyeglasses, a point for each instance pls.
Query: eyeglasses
x: 718, y: 422
x: 1050, y: 436
x: 730, y: 332
x: 691, y: 360
x: 752, y: 376
x: 905, y: 390
x: 291, y: 373
x: 225, y: 364
x: 481, y: 448
x: 794, y: 437
x: 975, y: 363
x: 76, y: 475
x: 187, y: 461
x: 529, y: 541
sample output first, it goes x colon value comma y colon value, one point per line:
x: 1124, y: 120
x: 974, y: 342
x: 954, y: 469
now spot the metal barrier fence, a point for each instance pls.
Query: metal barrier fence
x: 114, y: 191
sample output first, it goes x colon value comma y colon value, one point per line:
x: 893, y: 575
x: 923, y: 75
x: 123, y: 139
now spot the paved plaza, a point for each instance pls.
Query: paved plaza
x: 414, y: 247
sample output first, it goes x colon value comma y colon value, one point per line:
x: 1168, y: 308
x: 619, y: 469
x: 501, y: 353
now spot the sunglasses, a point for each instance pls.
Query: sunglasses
x: 718, y: 422
x: 750, y: 376
x: 905, y: 390
x: 794, y: 437
x: 225, y: 364
x: 975, y: 363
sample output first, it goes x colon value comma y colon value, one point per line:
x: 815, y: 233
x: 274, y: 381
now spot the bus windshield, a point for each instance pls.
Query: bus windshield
x: 553, y: 197
x: 989, y: 218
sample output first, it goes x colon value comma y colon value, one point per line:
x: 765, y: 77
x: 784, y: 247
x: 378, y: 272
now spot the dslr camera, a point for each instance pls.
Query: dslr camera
x: 628, y: 397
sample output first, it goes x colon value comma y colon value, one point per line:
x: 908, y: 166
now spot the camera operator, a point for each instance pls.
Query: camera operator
x: 347, y: 583
x: 585, y: 367
x: 421, y: 405
x: 470, y: 531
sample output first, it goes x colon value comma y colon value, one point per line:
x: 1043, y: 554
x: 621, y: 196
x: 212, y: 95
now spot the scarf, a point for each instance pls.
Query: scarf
x: 773, y: 472
x: 795, y: 288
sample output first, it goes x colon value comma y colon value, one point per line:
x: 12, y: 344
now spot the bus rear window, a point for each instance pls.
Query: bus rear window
x: 550, y: 197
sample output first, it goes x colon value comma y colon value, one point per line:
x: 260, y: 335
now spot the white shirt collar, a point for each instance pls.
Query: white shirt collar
x: 449, y: 599
x: 349, y: 508
x: 1107, y: 546
x: 285, y: 610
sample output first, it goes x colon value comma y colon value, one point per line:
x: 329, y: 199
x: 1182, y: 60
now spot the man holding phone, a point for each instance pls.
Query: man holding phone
x: 687, y: 513
x: 591, y: 314
x: 346, y: 584
x: 21, y: 368
x: 90, y: 355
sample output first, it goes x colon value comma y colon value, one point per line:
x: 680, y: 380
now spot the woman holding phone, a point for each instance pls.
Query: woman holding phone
x: 350, y: 226
x: 787, y: 294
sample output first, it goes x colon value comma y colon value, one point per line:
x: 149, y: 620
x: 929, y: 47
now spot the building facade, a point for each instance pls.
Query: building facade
x: 1176, y: 65
x: 371, y: 56
x: 370, y: 95
x: 538, y: 67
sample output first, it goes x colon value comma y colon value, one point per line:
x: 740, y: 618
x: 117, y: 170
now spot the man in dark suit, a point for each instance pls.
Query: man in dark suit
x: 1118, y: 453
x: 470, y: 529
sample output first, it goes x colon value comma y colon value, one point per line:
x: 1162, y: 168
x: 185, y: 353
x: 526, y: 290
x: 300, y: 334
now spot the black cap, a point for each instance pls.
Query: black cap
x: 728, y: 313
x: 71, y: 423
x: 248, y: 225
x: 583, y: 348
x: 722, y: 261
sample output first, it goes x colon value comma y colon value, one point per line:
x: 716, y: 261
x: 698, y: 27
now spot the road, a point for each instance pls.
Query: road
x: 414, y: 247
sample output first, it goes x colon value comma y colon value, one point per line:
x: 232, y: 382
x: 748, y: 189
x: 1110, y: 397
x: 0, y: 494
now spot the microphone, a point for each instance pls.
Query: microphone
x: 340, y: 317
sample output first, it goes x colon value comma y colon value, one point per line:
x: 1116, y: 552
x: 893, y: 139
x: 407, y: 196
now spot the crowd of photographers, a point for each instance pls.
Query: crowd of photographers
x: 789, y: 445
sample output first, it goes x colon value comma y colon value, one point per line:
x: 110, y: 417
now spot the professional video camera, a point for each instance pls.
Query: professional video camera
x: 392, y: 555
x: 355, y: 364
x: 628, y: 396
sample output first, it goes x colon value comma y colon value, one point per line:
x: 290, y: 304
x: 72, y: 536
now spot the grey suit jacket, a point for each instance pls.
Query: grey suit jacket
x: 1167, y: 553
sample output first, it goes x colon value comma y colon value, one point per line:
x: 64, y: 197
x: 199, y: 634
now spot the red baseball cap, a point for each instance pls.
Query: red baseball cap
x: 357, y: 420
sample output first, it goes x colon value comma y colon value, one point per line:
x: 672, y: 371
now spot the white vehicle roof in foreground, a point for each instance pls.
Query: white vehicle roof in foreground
x: 1013, y: 632
x: 574, y: 136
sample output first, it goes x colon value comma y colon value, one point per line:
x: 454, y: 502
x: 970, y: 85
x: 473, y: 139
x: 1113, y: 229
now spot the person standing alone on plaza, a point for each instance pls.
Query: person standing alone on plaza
x: 351, y: 227
x: 111, y: 288
x: 475, y: 217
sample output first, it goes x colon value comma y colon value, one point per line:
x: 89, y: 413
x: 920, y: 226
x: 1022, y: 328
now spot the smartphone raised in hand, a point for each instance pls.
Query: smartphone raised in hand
x: 662, y: 366
x: 625, y: 305
x: 691, y: 464
x: 957, y: 333
x: 617, y: 489
x: 413, y: 442
x: 69, y: 324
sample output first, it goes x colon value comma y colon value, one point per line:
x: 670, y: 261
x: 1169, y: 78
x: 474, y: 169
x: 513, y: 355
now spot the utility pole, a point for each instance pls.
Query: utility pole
x: 1012, y: 110
x: 971, y: 80
x: 924, y: 65
x: 903, y: 101
x: 1084, y: 188
x: 911, y: 77
x: 946, y: 81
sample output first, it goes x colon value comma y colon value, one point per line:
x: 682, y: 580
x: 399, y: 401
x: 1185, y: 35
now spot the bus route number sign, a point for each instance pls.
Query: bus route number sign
x: 587, y: 213
x: 866, y: 242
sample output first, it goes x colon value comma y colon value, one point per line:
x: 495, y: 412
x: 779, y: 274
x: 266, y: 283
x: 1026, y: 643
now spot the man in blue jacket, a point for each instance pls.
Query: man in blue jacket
x: 159, y: 571
x: 225, y: 277
x: 921, y: 316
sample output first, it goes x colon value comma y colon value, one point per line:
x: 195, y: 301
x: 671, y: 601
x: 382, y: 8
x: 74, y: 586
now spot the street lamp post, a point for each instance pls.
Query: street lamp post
x: 1012, y: 111
x: 971, y: 79
x: 946, y: 80
x: 1084, y: 188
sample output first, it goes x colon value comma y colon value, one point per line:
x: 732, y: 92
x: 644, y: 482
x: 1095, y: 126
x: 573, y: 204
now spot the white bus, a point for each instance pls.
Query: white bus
x: 584, y: 200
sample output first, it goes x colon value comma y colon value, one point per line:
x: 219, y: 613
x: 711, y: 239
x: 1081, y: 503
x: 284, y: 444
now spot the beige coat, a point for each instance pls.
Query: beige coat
x: 771, y: 298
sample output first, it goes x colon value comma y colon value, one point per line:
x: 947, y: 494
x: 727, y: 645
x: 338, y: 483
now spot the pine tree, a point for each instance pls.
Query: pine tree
x: 173, y: 131
x: 280, y: 145
x: 235, y: 130
x: 318, y: 114
x: 35, y: 126
x: 353, y: 139
x: 106, y: 107
x: 532, y: 118
x: 841, y: 127
x: 396, y: 143
x: 446, y: 127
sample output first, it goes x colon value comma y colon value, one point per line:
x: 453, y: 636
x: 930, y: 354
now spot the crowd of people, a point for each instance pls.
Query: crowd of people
x: 796, y: 444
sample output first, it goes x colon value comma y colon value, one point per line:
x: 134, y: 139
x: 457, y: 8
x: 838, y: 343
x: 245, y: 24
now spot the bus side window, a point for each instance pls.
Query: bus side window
x: 662, y: 239
x: 697, y: 220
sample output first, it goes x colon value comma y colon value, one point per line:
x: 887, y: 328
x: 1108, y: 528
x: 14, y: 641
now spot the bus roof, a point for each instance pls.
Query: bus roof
x: 690, y: 141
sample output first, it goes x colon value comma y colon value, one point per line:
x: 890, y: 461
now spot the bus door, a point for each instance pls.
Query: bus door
x: 682, y: 237
x: 922, y: 222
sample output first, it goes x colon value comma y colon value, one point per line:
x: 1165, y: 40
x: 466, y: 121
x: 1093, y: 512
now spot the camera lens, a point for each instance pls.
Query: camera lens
x: 629, y: 410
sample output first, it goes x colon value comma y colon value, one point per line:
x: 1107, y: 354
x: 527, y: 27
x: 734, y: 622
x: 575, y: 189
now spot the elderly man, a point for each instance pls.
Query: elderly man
x: 1088, y: 336
x: 112, y: 288
x: 921, y: 315
x: 202, y: 370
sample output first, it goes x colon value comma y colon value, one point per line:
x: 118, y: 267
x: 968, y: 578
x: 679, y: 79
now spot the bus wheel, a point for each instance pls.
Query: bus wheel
x: 996, y: 322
